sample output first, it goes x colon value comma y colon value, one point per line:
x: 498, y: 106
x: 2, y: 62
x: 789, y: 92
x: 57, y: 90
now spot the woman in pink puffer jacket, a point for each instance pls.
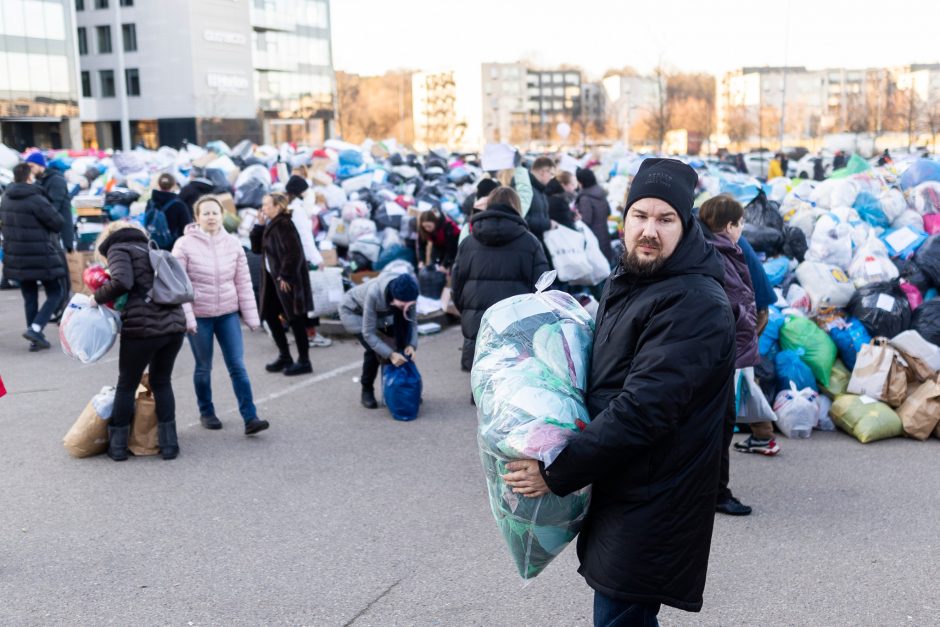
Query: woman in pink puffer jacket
x: 218, y: 269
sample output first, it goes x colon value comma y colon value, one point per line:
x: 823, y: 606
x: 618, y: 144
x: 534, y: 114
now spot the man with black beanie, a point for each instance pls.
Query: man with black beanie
x: 661, y: 390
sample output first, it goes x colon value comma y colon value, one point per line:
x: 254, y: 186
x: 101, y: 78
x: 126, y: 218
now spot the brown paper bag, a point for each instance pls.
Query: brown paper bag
x: 143, y: 439
x: 880, y: 373
x: 920, y: 413
x: 88, y: 436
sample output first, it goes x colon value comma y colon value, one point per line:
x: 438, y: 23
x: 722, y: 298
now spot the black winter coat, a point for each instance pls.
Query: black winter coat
x: 56, y: 189
x: 500, y: 259
x: 279, y: 244
x: 537, y: 217
x: 31, y: 227
x: 659, y: 394
x: 178, y: 214
x: 132, y: 274
x: 594, y: 209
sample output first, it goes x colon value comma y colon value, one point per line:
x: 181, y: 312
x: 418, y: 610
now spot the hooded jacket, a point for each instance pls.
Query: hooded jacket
x: 741, y: 296
x: 501, y: 258
x: 283, y: 258
x: 537, y: 215
x: 218, y: 269
x: 659, y: 395
x: 56, y: 189
x: 594, y: 209
x: 368, y: 306
x: 132, y: 274
x: 31, y: 227
x: 178, y: 214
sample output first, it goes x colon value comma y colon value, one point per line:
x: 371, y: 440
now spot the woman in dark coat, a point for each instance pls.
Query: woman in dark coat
x: 501, y: 258
x: 285, y: 283
x: 594, y: 209
x: 151, y: 336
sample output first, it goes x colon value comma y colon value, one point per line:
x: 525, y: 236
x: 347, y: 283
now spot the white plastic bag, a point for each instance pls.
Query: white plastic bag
x: 103, y: 402
x: 831, y: 242
x: 826, y: 285
x: 368, y: 246
x: 88, y: 333
x: 797, y: 411
x: 339, y: 232
x: 600, y: 268
x: 824, y: 422
x: 567, y: 249
x: 359, y: 228
x: 326, y: 285
x: 871, y: 263
x: 751, y: 404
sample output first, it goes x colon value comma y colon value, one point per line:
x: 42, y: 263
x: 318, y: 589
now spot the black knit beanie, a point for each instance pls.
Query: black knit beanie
x: 404, y: 288
x: 296, y: 185
x: 669, y: 180
x: 585, y: 178
x: 485, y: 187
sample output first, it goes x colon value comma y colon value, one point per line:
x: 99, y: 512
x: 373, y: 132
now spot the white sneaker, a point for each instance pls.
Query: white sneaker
x: 319, y: 341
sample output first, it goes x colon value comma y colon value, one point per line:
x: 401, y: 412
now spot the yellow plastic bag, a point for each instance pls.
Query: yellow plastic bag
x: 865, y: 418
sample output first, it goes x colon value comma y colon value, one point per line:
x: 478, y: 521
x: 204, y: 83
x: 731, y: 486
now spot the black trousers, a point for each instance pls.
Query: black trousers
x: 34, y: 313
x: 467, y: 354
x: 298, y: 326
x: 398, y: 333
x: 136, y: 354
x: 724, y: 479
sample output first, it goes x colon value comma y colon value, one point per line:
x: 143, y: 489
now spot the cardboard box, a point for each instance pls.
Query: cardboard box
x: 204, y: 160
x: 360, y: 277
x: 447, y: 303
x: 78, y: 261
x: 330, y: 258
x: 228, y: 203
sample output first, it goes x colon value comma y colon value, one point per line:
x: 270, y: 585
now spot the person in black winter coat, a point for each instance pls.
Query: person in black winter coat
x: 178, y: 213
x: 501, y: 258
x: 594, y: 209
x: 559, y: 204
x: 151, y: 336
x: 56, y: 189
x: 661, y: 385
x: 543, y: 169
x: 32, y: 252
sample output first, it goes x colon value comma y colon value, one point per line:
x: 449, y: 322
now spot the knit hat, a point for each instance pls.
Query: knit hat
x: 296, y: 185
x: 485, y: 187
x: 586, y: 178
x: 37, y: 158
x: 669, y: 180
x: 404, y: 288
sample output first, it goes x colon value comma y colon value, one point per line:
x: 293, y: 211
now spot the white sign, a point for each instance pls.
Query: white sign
x: 227, y: 83
x: 225, y: 37
x: 498, y: 157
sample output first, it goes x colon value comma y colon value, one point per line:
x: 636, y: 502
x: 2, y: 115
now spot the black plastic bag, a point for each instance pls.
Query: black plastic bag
x: 765, y: 373
x: 384, y: 221
x: 121, y: 197
x: 913, y: 274
x: 927, y: 321
x: 761, y: 212
x: 764, y: 239
x: 928, y: 259
x: 883, y: 308
x: 794, y: 243
x: 251, y: 194
x: 359, y: 262
x: 220, y: 184
x: 431, y: 282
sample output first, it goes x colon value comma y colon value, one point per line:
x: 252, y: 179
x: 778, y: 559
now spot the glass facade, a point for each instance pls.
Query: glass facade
x: 38, y: 75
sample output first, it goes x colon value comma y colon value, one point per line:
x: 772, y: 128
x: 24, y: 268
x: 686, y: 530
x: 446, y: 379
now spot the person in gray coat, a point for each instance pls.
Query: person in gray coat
x: 594, y: 209
x: 381, y: 314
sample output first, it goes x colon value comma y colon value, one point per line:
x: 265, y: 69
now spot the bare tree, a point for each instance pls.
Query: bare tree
x: 932, y: 118
x: 658, y: 122
x: 740, y: 124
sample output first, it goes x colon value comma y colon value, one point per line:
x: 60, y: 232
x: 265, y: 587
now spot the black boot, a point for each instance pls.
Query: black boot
x: 299, y: 367
x: 279, y: 364
x: 166, y: 435
x: 117, y: 443
x: 368, y: 398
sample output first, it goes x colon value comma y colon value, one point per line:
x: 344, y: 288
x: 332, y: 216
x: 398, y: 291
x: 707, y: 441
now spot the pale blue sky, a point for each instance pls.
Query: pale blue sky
x: 372, y: 36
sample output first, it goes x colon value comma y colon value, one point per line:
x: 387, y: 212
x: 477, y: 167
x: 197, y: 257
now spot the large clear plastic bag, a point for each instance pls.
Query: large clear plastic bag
x: 87, y: 333
x: 529, y: 376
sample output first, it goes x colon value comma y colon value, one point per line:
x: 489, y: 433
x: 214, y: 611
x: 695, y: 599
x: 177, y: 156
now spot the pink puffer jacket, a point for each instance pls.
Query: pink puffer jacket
x: 218, y: 269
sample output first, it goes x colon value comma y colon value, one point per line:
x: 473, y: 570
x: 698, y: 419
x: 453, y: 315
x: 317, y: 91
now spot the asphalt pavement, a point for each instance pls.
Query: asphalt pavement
x: 340, y: 515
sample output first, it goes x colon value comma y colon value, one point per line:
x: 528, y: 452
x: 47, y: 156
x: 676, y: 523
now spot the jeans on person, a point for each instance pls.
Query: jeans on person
x: 135, y: 355
x: 35, y: 314
x: 610, y: 612
x: 228, y: 330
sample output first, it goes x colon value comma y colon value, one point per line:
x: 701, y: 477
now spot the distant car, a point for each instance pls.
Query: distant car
x: 758, y: 164
x: 803, y: 168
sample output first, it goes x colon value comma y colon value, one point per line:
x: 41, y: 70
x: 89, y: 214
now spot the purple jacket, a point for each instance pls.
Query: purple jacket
x: 740, y: 292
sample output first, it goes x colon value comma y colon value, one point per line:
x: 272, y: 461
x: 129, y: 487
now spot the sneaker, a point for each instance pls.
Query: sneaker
x: 34, y: 347
x: 210, y: 422
x: 298, y: 367
x: 732, y: 507
x: 319, y: 341
x: 37, y: 338
x: 279, y: 364
x: 756, y: 445
x: 255, y: 425
x: 368, y: 399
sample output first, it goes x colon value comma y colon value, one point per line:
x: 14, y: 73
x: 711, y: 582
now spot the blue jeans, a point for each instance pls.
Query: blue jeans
x: 610, y: 612
x: 229, y: 331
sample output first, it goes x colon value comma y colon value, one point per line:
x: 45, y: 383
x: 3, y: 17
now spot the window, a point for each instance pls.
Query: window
x: 132, y: 78
x: 107, y: 83
x: 104, y: 39
x: 129, y: 35
x: 82, y: 40
x: 86, y: 84
x: 101, y: 4
x: 79, y: 5
x: 127, y: 3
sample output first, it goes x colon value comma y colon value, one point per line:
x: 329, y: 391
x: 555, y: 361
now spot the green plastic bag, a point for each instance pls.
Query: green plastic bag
x: 819, y: 351
x: 838, y: 381
x: 856, y: 165
x: 865, y: 418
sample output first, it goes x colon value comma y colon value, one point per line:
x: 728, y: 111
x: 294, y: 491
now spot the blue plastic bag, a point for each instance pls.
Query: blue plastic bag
x: 744, y: 193
x: 904, y: 242
x: 790, y: 367
x: 402, y: 390
x: 920, y: 171
x: 849, y: 340
x: 776, y: 269
x: 869, y: 209
x: 768, y: 339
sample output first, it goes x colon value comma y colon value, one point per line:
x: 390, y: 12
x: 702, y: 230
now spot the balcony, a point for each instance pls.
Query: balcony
x: 269, y: 20
x: 264, y: 60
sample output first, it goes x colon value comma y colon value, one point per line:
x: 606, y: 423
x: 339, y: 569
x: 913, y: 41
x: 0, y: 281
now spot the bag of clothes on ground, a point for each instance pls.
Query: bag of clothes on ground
x: 529, y: 376
x: 87, y: 333
x: 401, y: 388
